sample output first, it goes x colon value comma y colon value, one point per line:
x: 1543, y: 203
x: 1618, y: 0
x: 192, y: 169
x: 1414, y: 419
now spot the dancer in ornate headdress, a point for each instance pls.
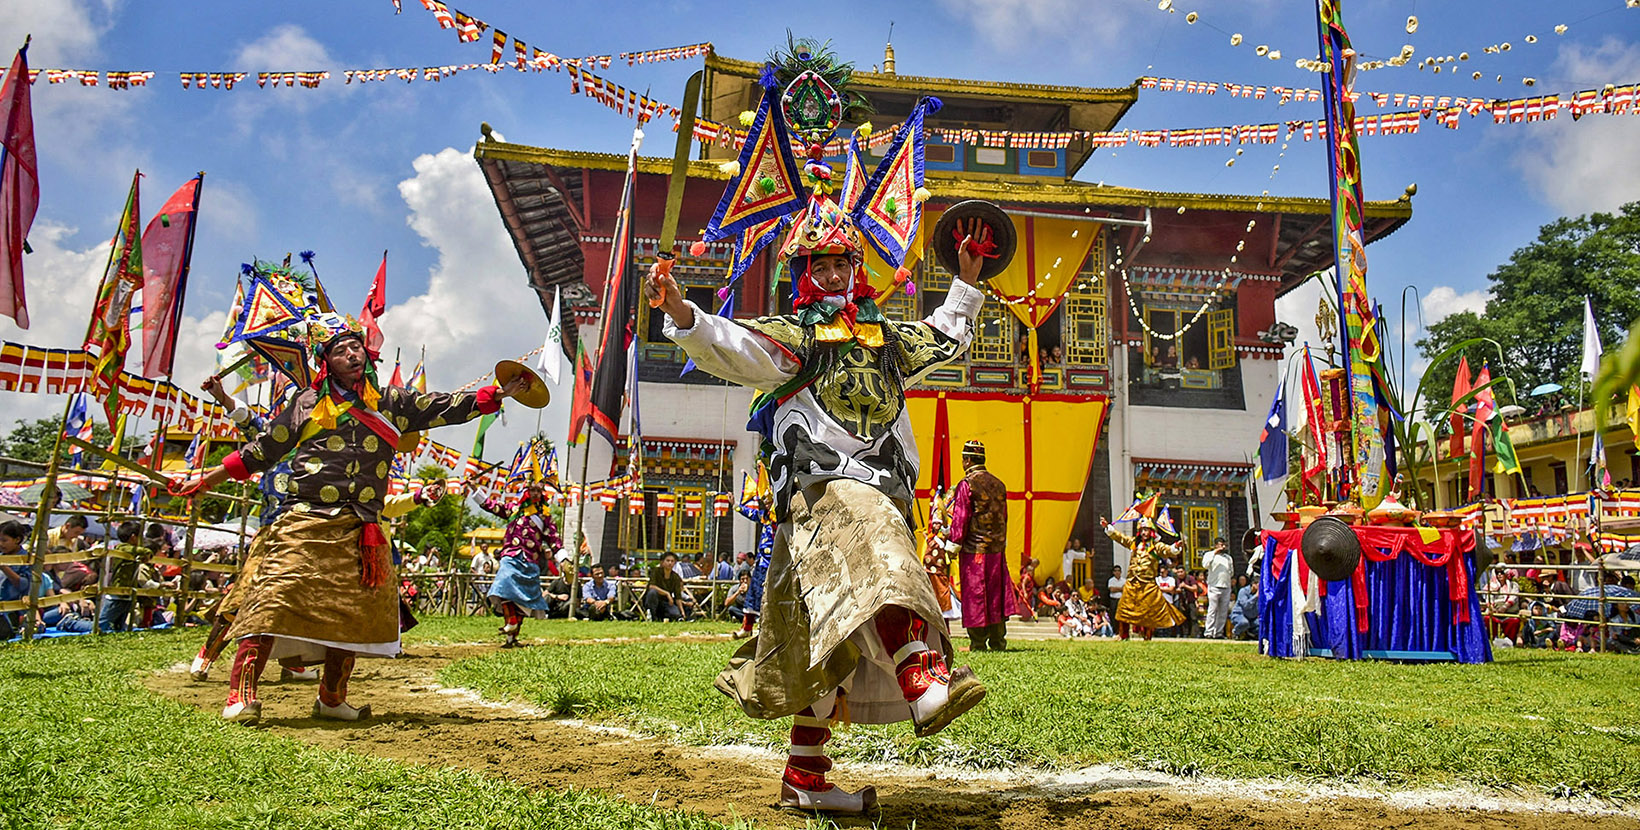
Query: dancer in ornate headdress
x: 1142, y: 605
x: 850, y: 626
x: 325, y: 590
x: 529, y: 543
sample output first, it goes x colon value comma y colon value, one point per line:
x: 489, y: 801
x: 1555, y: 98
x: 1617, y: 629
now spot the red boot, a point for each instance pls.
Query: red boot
x: 937, y: 695
x: 248, y: 662
x: 803, y: 786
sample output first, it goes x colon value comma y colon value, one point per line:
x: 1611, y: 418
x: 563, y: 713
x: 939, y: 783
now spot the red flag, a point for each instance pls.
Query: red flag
x: 1484, y: 407
x: 398, y: 378
x: 167, y: 246
x: 1314, y: 414
x: 1460, y: 388
x: 375, y: 304
x: 19, y: 185
x: 581, y: 409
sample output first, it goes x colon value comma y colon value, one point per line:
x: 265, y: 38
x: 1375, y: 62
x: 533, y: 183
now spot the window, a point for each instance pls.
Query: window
x: 686, y: 529
x: 991, y: 156
x: 1221, y: 339
x: 940, y: 153
x: 1087, y: 315
x: 1559, y: 470
x: 1204, y: 528
x: 994, y: 337
x: 1047, y: 159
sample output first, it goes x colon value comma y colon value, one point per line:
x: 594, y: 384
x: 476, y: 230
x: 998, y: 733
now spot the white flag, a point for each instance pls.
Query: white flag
x: 554, y: 346
x: 1591, y: 342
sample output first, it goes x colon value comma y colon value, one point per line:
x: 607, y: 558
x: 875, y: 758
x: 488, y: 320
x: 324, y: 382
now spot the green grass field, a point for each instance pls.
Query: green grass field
x: 1539, y: 721
x: 82, y: 744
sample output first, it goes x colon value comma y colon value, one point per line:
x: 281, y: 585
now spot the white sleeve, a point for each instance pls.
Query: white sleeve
x: 955, y: 317
x: 730, y: 351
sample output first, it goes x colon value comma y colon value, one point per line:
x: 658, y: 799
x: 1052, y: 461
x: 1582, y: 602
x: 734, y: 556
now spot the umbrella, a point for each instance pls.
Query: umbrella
x: 10, y: 499
x: 70, y: 492
x: 1544, y: 389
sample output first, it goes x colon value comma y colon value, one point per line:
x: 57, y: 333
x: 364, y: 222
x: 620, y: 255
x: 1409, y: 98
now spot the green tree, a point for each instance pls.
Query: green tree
x: 1535, y: 305
x: 33, y: 440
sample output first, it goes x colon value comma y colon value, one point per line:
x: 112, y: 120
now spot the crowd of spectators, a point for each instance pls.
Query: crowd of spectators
x: 1089, y: 609
x: 1528, y: 605
x: 138, y: 558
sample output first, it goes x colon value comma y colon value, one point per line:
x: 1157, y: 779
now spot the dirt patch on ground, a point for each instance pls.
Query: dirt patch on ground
x: 421, y: 722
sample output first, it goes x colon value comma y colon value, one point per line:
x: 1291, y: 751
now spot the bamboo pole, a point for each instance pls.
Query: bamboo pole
x: 42, y: 518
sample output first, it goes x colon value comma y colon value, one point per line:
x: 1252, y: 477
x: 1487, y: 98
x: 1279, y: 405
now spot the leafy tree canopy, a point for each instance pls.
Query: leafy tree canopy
x: 1535, y: 304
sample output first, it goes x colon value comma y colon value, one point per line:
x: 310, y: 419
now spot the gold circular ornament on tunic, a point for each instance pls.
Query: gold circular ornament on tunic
x: 371, y: 443
x: 281, y: 483
x: 352, y: 468
x: 329, y: 494
x: 313, y: 466
x: 403, y: 422
x: 336, y: 443
x: 381, y: 469
x: 368, y: 494
x: 281, y: 433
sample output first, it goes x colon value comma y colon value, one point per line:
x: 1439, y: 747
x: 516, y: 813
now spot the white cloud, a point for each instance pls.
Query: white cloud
x: 1012, y: 25
x: 1586, y: 166
x: 71, y: 122
x: 65, y: 31
x: 286, y: 46
x: 478, y: 307
x: 1442, y: 301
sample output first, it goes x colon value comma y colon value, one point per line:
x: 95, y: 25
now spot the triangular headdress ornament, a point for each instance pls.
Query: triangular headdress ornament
x: 890, y: 207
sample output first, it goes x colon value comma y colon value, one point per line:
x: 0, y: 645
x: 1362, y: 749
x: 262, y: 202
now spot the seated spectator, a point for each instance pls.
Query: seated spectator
x: 688, y: 569
x: 1501, y: 610
x: 742, y: 564
x: 664, y: 597
x: 1244, y: 613
x: 1025, y: 591
x: 124, y: 560
x: 597, y: 596
x: 1099, y: 621
x: 1047, y: 600
x: 14, y: 579
x: 1073, y: 614
x: 69, y: 537
x: 735, y: 606
x: 724, y: 572
x: 1089, y: 592
x: 1056, y: 355
x: 557, y: 591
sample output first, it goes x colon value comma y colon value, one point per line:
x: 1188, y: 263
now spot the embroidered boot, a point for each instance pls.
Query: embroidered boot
x: 332, y: 703
x: 248, y: 662
x: 803, y: 786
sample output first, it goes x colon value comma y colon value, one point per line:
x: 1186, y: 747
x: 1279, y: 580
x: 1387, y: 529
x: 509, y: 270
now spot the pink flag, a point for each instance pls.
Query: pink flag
x: 167, y: 246
x: 19, y: 186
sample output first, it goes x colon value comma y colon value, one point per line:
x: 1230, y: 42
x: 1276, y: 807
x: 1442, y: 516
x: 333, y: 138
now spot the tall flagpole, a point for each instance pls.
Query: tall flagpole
x: 621, y: 216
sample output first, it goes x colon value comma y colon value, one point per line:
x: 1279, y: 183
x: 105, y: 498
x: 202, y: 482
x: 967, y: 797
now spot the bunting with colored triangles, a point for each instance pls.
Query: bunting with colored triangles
x: 890, y: 207
x: 854, y: 171
x: 766, y: 185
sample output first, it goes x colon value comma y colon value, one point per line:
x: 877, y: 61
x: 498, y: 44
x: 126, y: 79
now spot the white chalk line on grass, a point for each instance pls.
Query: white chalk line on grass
x: 1026, y: 783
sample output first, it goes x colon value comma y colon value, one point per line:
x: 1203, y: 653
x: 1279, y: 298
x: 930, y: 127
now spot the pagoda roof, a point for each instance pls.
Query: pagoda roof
x: 538, y: 191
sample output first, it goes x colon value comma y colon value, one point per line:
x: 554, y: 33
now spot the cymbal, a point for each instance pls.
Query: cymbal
x: 535, y: 393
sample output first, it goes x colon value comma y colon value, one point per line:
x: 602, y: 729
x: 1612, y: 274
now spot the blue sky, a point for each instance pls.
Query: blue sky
x: 349, y: 171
